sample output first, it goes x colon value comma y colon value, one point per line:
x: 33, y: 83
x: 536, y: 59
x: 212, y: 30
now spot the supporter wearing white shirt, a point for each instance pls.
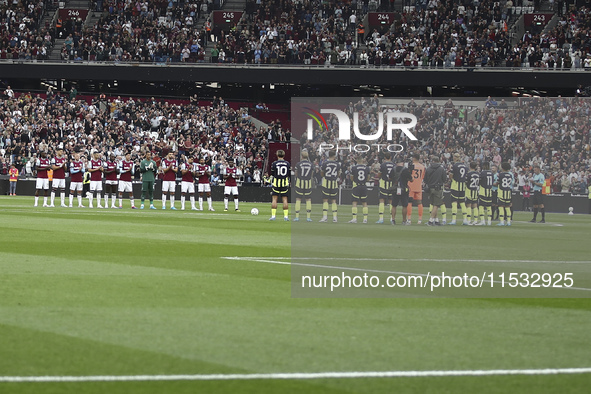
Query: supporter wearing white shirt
x: 185, y: 54
x: 521, y: 179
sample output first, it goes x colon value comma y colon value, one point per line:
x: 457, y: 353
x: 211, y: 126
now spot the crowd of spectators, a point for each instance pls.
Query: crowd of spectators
x: 431, y: 33
x: 448, y: 34
x: 31, y: 123
x: 443, y: 34
x: 551, y: 132
x: 142, y: 31
x: 21, y: 34
x: 567, y: 45
x: 288, y: 32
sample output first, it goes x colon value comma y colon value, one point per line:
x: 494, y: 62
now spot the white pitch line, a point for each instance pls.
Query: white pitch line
x: 541, y: 224
x: 327, y: 266
x: 293, y: 376
x: 411, y: 259
x: 271, y: 261
x: 100, y: 212
x: 366, y: 270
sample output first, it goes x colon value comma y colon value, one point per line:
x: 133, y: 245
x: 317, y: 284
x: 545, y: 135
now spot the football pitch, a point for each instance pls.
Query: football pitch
x: 130, y: 301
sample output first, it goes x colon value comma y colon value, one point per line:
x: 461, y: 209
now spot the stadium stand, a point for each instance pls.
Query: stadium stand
x: 550, y: 132
x: 21, y: 34
x: 142, y: 31
x: 428, y: 34
x: 213, y: 130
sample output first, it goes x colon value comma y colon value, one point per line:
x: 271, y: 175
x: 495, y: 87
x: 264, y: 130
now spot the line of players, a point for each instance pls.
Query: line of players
x: 475, y: 192
x: 398, y: 185
x: 482, y: 193
x: 118, y: 177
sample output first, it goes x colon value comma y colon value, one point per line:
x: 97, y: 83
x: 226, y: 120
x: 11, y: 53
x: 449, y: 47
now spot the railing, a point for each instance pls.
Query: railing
x: 517, y: 31
x: 367, y: 68
x: 54, y: 20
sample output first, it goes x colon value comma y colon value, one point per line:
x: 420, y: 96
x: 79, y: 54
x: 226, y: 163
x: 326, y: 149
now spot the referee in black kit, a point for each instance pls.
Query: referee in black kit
x: 435, y: 178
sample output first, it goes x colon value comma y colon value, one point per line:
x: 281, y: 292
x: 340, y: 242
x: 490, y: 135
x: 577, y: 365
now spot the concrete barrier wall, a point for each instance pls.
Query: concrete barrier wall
x: 250, y: 193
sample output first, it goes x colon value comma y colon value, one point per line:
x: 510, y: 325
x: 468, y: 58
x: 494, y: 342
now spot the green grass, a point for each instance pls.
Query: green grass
x: 105, y: 292
x: 531, y: 248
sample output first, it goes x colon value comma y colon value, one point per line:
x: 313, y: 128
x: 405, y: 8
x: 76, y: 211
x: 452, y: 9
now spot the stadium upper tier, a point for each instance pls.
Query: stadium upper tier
x: 21, y: 34
x: 427, y: 35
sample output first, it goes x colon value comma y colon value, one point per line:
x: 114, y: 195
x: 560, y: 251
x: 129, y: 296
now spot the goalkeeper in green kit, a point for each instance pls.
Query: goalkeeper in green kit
x: 148, y: 168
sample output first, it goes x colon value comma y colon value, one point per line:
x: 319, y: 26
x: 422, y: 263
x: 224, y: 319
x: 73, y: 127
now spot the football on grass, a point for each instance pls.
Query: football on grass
x: 254, y: 211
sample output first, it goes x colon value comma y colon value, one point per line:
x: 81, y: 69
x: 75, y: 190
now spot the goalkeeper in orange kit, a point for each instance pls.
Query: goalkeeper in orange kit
x: 416, y: 187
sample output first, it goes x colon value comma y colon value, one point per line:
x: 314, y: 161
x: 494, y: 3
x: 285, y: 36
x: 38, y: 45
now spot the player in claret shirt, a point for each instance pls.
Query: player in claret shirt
x: 231, y: 174
x: 126, y: 170
x: 76, y: 179
x: 204, y: 187
x: 188, y: 183
x: 111, y: 181
x: 58, y: 165
x: 169, y: 169
x: 43, y: 165
x: 95, y: 168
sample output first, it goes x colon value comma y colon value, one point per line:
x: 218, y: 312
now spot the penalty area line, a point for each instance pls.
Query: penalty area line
x: 292, y: 376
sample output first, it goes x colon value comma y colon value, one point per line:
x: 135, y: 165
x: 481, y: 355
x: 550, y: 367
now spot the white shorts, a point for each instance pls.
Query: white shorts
x: 42, y: 183
x: 233, y: 190
x: 168, y: 186
x: 96, y: 186
x: 125, y: 187
x: 204, y: 188
x: 188, y: 187
x: 58, y: 183
x: 111, y: 182
x: 76, y: 186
